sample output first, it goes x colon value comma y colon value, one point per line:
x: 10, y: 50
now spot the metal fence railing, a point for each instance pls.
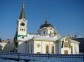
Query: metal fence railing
x: 42, y: 57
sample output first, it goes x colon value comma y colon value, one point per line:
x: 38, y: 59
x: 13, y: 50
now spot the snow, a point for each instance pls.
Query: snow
x: 15, y: 57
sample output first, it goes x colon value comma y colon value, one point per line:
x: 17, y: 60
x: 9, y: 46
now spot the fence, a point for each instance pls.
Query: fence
x: 17, y: 57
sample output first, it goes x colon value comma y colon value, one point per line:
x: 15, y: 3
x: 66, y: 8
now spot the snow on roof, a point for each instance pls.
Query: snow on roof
x: 44, y: 38
x: 38, y: 37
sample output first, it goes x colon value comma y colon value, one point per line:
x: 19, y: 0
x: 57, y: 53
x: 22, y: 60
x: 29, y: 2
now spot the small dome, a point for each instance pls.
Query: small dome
x: 46, y: 25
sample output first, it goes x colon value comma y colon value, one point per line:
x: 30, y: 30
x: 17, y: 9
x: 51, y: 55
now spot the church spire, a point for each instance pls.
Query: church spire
x: 22, y: 14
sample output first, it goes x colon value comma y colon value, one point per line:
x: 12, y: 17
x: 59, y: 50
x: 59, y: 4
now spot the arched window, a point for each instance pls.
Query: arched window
x: 22, y: 24
x: 43, y: 32
x: 52, y: 49
x: 71, y: 50
x: 47, y: 49
x: 66, y: 44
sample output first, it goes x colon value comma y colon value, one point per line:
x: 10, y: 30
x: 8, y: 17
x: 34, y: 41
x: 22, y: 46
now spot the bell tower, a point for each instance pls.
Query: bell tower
x: 22, y: 24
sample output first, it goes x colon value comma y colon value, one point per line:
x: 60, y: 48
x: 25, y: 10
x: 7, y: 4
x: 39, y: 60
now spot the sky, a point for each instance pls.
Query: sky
x: 67, y: 16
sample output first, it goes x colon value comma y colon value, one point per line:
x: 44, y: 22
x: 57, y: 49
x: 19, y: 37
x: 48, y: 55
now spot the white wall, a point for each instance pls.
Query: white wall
x: 75, y: 48
x: 42, y: 47
x: 22, y: 32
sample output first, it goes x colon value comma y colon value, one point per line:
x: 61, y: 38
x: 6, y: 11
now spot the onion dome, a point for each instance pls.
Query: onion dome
x: 46, y: 24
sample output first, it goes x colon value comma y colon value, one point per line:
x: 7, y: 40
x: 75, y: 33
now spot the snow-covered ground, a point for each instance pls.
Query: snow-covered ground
x: 14, y: 57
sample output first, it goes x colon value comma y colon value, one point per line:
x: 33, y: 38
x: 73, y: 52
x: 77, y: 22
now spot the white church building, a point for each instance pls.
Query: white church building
x: 47, y: 41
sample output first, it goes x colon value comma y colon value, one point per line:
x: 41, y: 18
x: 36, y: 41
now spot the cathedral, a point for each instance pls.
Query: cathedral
x: 47, y: 41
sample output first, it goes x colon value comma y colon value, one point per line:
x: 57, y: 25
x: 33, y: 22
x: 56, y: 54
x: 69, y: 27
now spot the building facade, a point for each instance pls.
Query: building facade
x: 47, y: 41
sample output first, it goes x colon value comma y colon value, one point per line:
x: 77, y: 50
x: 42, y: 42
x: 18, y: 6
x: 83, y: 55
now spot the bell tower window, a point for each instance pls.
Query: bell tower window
x: 22, y: 24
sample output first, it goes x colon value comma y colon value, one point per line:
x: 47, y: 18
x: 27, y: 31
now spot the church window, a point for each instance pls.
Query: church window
x: 71, y: 49
x: 38, y: 45
x: 22, y: 24
x: 47, y: 49
x: 65, y: 39
x: 65, y: 44
x: 52, y: 49
x: 23, y: 37
x: 24, y: 29
x: 55, y: 33
x: 43, y: 32
x: 62, y: 44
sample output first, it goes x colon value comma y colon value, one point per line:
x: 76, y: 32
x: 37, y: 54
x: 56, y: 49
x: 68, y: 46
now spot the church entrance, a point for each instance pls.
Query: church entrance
x: 65, y: 51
